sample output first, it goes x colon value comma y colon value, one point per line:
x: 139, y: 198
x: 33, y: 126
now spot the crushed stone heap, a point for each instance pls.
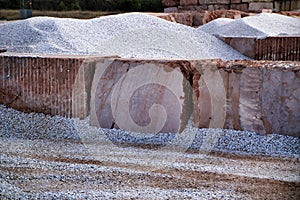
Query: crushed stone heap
x: 132, y: 35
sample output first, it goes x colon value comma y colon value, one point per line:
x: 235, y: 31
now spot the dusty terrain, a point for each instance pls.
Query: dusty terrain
x: 67, y: 169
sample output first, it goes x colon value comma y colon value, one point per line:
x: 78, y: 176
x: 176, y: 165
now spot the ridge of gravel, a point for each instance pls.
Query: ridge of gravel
x: 131, y: 35
x: 39, y: 126
x: 257, y: 26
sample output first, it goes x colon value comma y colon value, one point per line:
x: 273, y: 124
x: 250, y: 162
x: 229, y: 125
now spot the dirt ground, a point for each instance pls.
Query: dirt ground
x: 35, y: 168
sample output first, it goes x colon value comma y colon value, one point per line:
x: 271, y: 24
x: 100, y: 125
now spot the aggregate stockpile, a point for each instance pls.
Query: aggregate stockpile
x: 131, y: 35
x: 257, y: 26
x: 261, y: 37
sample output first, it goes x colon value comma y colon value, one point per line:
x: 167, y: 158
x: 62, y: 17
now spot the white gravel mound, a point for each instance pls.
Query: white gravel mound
x: 127, y: 35
x: 258, y: 26
x: 215, y: 24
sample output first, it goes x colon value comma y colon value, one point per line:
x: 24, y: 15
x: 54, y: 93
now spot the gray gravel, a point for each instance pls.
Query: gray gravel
x: 257, y: 26
x: 40, y: 126
x: 126, y: 35
x: 44, y: 157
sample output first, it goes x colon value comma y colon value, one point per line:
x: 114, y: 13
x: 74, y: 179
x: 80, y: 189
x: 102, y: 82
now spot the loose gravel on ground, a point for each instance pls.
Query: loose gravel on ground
x: 39, y: 126
x: 46, y: 157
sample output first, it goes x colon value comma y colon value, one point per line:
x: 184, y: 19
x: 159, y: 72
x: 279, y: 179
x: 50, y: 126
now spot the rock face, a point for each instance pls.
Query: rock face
x: 152, y: 96
x: 141, y: 96
x: 261, y: 96
x: 269, y: 48
x: 55, y: 85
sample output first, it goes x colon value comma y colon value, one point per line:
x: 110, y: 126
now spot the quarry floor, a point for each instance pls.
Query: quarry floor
x: 48, y: 168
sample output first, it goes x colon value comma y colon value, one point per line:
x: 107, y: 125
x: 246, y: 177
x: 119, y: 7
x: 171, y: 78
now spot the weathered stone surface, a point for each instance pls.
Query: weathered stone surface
x: 261, y: 96
x: 235, y: 1
x: 209, y: 95
x: 242, y: 7
x: 244, y: 45
x: 199, y: 8
x: 188, y: 2
x: 171, y: 10
x: 55, y: 85
x: 213, y: 1
x: 198, y: 19
x: 157, y: 96
x: 141, y: 96
x: 221, y: 7
x: 287, y: 5
x: 211, y: 15
x: 259, y: 6
x: 169, y: 3
x: 248, y: 1
x: 281, y: 106
x: 270, y: 48
x: 183, y: 18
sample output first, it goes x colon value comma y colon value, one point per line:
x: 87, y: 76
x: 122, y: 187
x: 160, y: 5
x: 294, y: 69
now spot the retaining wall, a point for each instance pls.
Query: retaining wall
x: 156, y: 95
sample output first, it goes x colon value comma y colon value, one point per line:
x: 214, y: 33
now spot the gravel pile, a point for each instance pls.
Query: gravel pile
x: 258, y: 26
x: 40, y: 126
x: 127, y: 35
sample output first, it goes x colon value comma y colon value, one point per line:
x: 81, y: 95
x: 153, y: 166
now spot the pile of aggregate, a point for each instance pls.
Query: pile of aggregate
x: 131, y: 35
x: 257, y: 26
x: 16, y: 124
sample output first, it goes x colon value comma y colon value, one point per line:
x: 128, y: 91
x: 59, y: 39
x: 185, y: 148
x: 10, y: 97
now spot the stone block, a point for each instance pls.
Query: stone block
x: 199, y: 8
x: 214, y: 2
x: 235, y: 1
x: 170, y: 3
x: 188, y: 2
x: 249, y: 1
x: 242, y: 7
x: 256, y: 96
x: 259, y: 6
x: 221, y: 7
x: 46, y: 84
x: 244, y: 45
x: 210, y: 7
x: 183, y: 18
x: 280, y: 100
x: 141, y: 96
x: 171, y: 10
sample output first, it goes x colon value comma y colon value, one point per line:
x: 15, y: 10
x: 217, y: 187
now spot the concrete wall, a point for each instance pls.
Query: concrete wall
x: 157, y: 95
